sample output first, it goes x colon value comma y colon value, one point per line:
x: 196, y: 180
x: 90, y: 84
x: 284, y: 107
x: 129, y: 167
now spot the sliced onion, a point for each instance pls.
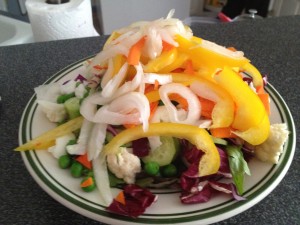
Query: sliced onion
x: 130, y: 108
x: 96, y: 140
x: 82, y: 141
x: 222, y: 107
x: 113, y: 84
x: 221, y: 50
x: 151, y: 78
x: 194, y: 107
x: 108, y: 73
x: 102, y: 179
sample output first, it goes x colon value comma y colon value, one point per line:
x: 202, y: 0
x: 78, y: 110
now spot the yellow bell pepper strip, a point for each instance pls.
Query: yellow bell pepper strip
x: 254, y: 73
x: 47, y: 139
x: 250, y: 114
x: 166, y: 58
x: 208, y: 60
x: 178, y: 62
x: 118, y: 62
x: 112, y: 37
x: 256, y: 134
x: 210, y: 161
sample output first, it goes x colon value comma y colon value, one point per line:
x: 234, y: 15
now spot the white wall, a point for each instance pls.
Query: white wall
x: 119, y: 13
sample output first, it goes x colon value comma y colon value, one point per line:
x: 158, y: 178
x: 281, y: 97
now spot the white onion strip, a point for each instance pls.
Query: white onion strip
x: 130, y: 108
x: 96, y: 140
x: 151, y: 78
x: 194, y: 107
x: 101, y: 178
x: 82, y: 141
x: 113, y: 84
x: 221, y: 106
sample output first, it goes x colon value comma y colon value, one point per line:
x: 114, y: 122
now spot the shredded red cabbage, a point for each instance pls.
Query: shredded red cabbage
x: 137, y: 199
x: 140, y: 147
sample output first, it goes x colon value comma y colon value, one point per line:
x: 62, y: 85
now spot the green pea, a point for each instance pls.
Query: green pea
x: 76, y: 169
x: 62, y: 98
x: 151, y: 168
x: 90, y: 187
x: 64, y: 161
x: 169, y: 170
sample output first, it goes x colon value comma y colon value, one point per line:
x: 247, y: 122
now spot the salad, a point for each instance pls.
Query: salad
x: 159, y: 108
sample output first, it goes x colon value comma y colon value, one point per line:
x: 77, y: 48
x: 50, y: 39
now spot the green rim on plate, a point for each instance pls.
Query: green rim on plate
x: 94, y: 210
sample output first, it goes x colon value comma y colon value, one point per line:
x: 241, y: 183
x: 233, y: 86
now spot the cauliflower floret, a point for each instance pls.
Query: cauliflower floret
x: 124, y: 165
x: 48, y: 92
x: 59, y: 148
x: 271, y: 149
x: 80, y: 91
x: 54, y: 112
x: 68, y: 87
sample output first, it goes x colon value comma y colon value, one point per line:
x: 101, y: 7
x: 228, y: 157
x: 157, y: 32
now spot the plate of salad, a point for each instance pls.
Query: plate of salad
x: 159, y: 127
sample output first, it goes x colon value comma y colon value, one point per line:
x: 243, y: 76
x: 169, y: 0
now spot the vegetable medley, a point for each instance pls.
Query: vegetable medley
x: 160, y: 108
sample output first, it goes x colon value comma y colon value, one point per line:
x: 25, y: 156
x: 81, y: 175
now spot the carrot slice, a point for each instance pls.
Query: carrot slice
x: 189, y: 69
x: 121, y: 198
x: 135, y: 52
x: 167, y: 46
x: 264, y: 97
x: 83, y: 159
x: 222, y: 132
x: 207, y: 107
x: 88, y: 182
x: 180, y: 100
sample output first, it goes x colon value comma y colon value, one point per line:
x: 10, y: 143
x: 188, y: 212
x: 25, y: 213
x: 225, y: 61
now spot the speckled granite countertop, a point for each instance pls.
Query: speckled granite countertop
x: 273, y: 45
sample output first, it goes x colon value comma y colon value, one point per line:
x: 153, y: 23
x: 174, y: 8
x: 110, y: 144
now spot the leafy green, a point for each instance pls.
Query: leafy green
x: 238, y: 166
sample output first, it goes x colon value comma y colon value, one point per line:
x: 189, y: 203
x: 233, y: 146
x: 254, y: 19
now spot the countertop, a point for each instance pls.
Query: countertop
x: 273, y: 45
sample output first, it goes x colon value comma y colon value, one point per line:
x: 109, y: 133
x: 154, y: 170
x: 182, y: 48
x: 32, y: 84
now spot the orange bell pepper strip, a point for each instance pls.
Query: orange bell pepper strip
x: 250, y: 119
x: 209, y: 162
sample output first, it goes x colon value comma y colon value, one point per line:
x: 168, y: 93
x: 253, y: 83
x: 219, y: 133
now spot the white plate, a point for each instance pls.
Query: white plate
x: 168, y: 209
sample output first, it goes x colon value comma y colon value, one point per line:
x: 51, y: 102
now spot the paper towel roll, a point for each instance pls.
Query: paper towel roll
x: 60, y: 21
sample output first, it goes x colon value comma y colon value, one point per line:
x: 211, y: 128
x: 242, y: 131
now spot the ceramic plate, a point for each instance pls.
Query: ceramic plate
x: 168, y: 209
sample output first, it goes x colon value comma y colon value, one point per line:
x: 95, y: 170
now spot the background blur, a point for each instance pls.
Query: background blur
x: 109, y: 15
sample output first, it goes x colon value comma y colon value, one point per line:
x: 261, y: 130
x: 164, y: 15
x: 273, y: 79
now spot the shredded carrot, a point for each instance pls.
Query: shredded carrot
x: 180, y: 100
x: 98, y: 67
x: 207, y: 107
x: 121, y: 198
x: 127, y: 126
x: 88, y: 182
x: 264, y: 97
x: 167, y: 46
x: 178, y: 70
x: 153, y: 108
x: 189, y: 69
x: 135, y: 52
x: 83, y: 159
x: 232, y: 49
x: 260, y: 90
x: 222, y: 132
x: 156, y: 85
